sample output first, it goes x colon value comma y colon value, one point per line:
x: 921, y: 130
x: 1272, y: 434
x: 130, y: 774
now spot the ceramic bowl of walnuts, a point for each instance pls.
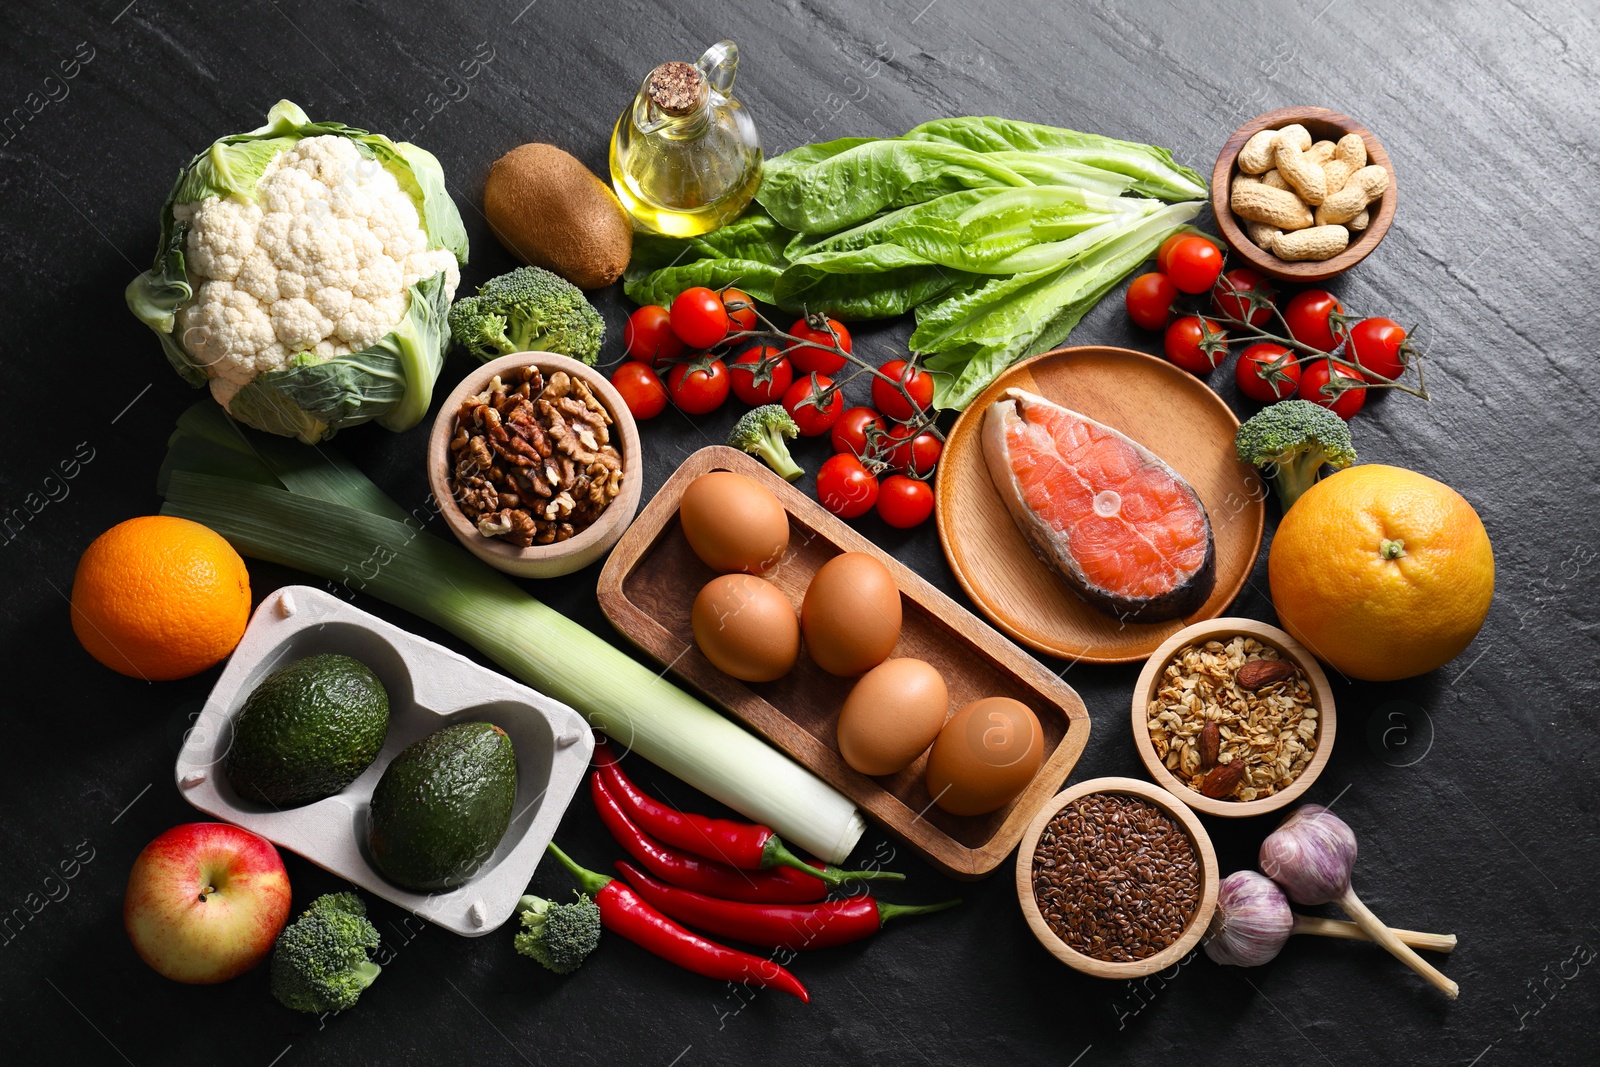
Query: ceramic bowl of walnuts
x: 535, y: 464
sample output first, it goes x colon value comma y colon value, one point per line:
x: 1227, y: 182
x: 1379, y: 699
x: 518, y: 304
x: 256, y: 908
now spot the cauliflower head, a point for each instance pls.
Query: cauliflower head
x: 305, y: 274
x: 318, y: 265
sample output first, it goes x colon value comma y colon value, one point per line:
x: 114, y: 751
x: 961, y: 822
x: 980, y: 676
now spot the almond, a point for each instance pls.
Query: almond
x: 1260, y: 673
x: 1210, y: 745
x: 1222, y: 780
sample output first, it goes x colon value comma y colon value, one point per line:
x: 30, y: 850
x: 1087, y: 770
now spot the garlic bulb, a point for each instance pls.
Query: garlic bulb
x: 1252, y: 922
x: 1311, y: 854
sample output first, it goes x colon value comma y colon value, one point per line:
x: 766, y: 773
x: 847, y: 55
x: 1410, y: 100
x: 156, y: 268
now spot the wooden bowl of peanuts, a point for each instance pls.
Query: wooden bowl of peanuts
x: 534, y: 462
x: 1233, y: 716
x: 1303, y: 193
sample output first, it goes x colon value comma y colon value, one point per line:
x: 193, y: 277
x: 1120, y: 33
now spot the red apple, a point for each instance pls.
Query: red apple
x: 205, y: 902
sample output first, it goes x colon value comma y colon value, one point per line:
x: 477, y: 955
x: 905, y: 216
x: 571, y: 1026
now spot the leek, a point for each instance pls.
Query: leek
x: 309, y: 509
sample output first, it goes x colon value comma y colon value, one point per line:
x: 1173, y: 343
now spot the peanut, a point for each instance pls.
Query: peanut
x: 1352, y: 149
x: 1256, y: 155
x: 1261, y: 234
x: 1294, y: 135
x: 1317, y: 242
x: 1260, y: 202
x: 1365, y: 185
x: 1274, y: 179
x: 1337, y: 172
x: 1320, y: 152
x: 1359, y: 223
x: 1297, y: 167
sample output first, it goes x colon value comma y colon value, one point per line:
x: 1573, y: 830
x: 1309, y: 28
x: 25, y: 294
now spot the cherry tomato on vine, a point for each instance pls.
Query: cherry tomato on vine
x: 698, y: 317
x: 904, y: 502
x: 699, y: 386
x: 813, y: 408
x: 808, y: 360
x: 845, y: 487
x: 849, y: 434
x: 755, y: 384
x: 741, y: 309
x: 889, y: 400
x: 1257, y: 377
x: 1193, y: 264
x: 918, y: 455
x: 1309, y: 318
x: 1150, y: 299
x: 1164, y: 253
x: 1229, y: 304
x: 1187, y: 340
x: 1376, y: 344
x: 641, y: 389
x: 648, y: 335
x: 1315, y: 375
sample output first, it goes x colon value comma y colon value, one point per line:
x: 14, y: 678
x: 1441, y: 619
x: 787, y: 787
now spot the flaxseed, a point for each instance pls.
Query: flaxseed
x: 1115, y: 877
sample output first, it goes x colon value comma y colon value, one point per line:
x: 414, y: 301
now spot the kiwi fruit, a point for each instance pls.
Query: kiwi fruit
x: 550, y: 210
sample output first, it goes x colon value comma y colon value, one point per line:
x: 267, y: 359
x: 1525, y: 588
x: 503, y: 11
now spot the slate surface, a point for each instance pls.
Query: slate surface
x: 1470, y: 789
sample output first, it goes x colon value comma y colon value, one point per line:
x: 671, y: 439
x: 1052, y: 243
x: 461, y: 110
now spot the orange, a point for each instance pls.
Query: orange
x: 159, y: 597
x: 1381, y: 572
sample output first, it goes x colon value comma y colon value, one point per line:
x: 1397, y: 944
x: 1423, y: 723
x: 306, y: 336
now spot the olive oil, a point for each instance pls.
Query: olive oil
x: 685, y: 157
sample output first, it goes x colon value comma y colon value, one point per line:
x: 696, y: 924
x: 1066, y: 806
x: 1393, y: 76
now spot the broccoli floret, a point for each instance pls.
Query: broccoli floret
x: 560, y: 936
x: 527, y: 310
x: 1290, y: 441
x: 761, y: 432
x: 320, y: 961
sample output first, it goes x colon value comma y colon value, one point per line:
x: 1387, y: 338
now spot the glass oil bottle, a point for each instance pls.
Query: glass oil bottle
x: 685, y: 156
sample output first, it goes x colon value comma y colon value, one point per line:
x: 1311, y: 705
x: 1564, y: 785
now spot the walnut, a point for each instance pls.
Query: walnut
x: 478, y: 500
x: 524, y: 531
x: 495, y: 524
x: 533, y: 461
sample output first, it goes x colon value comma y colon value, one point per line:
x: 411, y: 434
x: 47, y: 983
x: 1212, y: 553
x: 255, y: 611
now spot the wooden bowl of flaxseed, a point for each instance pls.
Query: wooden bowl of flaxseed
x: 1234, y: 717
x: 1117, y: 878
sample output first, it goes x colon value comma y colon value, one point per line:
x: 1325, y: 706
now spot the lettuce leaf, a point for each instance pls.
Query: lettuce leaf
x: 820, y: 195
x: 747, y: 252
x: 1153, y: 168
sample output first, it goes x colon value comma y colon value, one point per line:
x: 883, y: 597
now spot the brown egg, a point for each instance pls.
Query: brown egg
x: 746, y: 627
x: 891, y: 715
x: 986, y: 754
x: 732, y: 523
x: 851, y: 614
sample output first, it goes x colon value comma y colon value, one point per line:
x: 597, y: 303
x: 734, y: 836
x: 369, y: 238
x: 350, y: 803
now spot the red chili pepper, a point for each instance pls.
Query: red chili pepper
x: 748, y: 846
x: 781, y: 884
x: 791, y: 926
x: 625, y: 914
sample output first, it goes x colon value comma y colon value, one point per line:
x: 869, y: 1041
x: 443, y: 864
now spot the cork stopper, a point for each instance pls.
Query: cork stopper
x: 675, y: 88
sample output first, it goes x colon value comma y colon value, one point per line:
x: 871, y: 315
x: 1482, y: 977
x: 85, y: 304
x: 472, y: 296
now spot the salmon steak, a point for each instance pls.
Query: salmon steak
x: 1121, y: 527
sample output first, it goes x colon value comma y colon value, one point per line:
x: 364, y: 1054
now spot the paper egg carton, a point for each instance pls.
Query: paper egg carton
x: 429, y: 688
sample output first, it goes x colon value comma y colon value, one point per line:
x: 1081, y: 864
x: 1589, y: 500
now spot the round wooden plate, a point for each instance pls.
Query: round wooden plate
x: 1167, y: 410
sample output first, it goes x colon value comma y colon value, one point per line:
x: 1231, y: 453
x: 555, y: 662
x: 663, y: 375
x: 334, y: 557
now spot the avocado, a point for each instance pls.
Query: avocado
x: 442, y: 806
x: 307, y: 731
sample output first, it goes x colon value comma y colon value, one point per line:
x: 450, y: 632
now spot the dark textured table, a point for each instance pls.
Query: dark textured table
x: 1471, y: 789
